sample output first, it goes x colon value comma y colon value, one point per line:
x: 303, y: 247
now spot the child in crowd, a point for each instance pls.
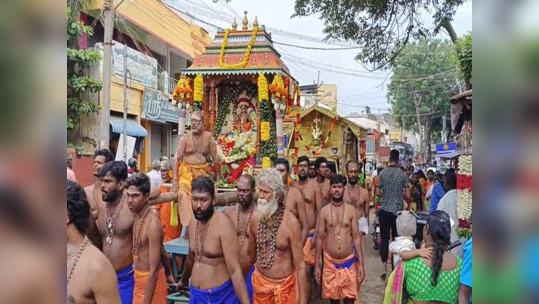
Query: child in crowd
x: 406, y: 228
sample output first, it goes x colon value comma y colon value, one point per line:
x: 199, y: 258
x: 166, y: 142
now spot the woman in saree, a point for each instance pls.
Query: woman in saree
x: 431, y: 279
x: 424, y: 185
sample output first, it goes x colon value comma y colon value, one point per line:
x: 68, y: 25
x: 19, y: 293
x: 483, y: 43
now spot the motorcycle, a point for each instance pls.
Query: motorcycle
x: 376, y: 236
x: 421, y: 221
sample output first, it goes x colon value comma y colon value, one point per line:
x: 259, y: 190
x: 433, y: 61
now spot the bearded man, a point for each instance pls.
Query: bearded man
x: 294, y: 201
x: 213, y: 267
x: 241, y: 215
x: 93, y: 193
x: 343, y: 254
x: 321, y: 166
x: 357, y: 196
x: 312, y: 196
x: 279, y: 276
x: 190, y: 162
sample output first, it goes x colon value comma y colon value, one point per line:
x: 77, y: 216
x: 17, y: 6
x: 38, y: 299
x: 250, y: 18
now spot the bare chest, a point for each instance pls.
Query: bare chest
x: 241, y: 222
x: 205, y: 247
x: 197, y: 145
x: 121, y: 228
x: 282, y: 240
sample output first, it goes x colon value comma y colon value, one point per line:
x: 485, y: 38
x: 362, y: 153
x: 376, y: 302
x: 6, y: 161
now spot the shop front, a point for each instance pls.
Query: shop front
x: 160, y: 118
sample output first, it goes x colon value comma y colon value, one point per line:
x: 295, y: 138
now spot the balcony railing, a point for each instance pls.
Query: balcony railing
x: 166, y: 84
x: 172, y: 85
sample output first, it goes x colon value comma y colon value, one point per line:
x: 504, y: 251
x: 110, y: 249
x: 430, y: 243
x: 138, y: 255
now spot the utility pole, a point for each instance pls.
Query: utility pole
x: 444, y: 127
x: 104, y: 115
x: 126, y: 102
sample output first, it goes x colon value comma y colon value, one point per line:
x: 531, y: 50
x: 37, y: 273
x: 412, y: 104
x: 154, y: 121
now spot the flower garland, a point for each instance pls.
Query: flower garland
x: 182, y: 92
x: 265, y: 131
x: 266, y: 162
x: 464, y: 195
x: 278, y: 89
x: 262, y: 88
x: 243, y: 63
x: 198, y: 95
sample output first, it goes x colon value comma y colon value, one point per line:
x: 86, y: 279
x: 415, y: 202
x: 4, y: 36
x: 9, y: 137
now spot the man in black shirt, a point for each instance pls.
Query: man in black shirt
x: 392, y: 187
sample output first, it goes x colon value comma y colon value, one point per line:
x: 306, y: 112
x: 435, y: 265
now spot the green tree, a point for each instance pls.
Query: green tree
x: 463, y: 56
x: 424, y: 78
x: 381, y: 27
x: 80, y: 85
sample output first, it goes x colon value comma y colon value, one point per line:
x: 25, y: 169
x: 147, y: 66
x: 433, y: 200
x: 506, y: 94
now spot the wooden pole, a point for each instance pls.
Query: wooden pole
x: 222, y: 199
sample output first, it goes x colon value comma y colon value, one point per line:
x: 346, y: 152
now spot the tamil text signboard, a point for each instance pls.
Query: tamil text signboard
x: 156, y: 107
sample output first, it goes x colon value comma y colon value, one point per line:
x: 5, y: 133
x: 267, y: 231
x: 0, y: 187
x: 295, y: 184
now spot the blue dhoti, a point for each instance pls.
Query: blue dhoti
x: 223, y: 294
x: 249, y: 283
x: 126, y: 284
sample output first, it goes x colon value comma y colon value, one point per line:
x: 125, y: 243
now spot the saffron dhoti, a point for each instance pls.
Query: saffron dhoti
x: 308, y: 253
x: 340, y: 278
x: 186, y: 174
x: 275, y: 291
x: 223, y: 294
x: 161, y: 288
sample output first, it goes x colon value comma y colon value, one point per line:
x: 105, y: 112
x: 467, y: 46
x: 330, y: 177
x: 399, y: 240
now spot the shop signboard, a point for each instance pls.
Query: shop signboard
x: 142, y: 68
x: 446, y: 148
x: 156, y: 107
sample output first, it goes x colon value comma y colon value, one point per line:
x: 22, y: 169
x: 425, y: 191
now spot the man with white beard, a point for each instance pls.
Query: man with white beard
x: 275, y: 247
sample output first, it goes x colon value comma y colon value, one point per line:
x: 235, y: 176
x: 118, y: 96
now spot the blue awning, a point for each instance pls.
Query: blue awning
x: 133, y: 128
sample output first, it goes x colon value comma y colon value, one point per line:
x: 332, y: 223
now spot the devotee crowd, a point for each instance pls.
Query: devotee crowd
x: 280, y: 241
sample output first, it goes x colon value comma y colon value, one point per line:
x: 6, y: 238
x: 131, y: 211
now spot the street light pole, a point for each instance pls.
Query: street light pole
x: 104, y: 115
x: 126, y: 103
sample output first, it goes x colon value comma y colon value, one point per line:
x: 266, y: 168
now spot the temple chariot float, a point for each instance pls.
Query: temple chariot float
x: 244, y: 90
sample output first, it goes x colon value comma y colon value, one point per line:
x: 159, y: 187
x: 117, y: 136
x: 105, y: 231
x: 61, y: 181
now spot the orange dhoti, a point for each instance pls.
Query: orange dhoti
x: 275, y: 291
x: 186, y: 174
x: 339, y: 278
x: 165, y: 213
x: 308, y: 253
x: 161, y: 288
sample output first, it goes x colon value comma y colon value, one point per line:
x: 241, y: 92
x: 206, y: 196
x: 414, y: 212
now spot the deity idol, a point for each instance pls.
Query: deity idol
x: 243, y: 120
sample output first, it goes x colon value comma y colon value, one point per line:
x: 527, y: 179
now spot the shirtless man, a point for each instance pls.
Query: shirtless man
x: 320, y: 166
x: 93, y: 193
x: 294, y: 201
x: 343, y: 251
x: 312, y: 195
x: 241, y: 216
x: 312, y: 171
x: 213, y: 263
x: 115, y: 224
x: 279, y: 276
x: 190, y: 163
x: 356, y: 195
x: 150, y: 282
x: 90, y: 276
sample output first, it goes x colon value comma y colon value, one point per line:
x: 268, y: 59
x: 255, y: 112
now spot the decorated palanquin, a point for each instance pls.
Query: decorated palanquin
x: 244, y: 90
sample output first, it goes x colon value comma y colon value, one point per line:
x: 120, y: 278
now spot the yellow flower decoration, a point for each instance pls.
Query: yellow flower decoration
x: 265, y: 131
x: 199, y: 88
x: 243, y: 63
x: 266, y: 162
x: 262, y: 88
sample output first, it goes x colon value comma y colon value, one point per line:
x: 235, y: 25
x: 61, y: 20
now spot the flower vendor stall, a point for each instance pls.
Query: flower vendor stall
x: 461, y: 124
x: 244, y: 90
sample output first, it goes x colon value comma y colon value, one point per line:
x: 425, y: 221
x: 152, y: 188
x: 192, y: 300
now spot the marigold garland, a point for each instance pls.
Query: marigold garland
x: 243, y: 63
x: 277, y: 87
x: 183, y: 90
x: 262, y: 87
x: 265, y: 131
x: 199, y: 88
x: 266, y: 162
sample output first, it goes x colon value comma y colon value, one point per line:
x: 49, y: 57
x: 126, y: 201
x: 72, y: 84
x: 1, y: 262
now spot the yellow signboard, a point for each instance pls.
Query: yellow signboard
x: 395, y: 135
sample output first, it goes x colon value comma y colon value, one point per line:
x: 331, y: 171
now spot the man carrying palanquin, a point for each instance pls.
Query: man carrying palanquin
x: 279, y: 276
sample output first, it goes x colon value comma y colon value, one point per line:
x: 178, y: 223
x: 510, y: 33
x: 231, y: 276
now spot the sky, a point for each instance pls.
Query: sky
x: 354, y: 91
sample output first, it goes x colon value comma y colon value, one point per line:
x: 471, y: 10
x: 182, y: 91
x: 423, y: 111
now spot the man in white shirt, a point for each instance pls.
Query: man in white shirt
x: 155, y: 176
x: 449, y: 204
